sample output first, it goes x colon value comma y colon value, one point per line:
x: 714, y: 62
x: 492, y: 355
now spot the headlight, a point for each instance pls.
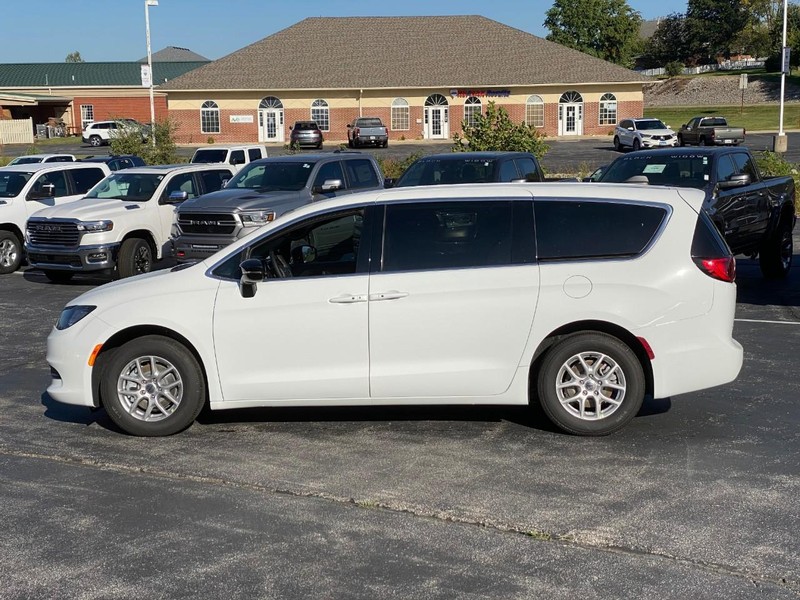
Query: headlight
x: 95, y: 226
x: 72, y: 314
x: 255, y: 218
x: 646, y: 136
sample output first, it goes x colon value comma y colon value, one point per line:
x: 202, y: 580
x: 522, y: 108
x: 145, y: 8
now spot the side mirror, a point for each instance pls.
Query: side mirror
x: 177, y: 197
x: 630, y: 128
x: 48, y: 190
x: 330, y: 185
x: 737, y: 180
x: 253, y: 272
x: 304, y: 254
x: 389, y: 182
x: 349, y: 125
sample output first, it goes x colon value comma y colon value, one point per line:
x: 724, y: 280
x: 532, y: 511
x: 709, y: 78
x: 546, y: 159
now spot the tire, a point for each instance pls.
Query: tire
x: 355, y: 143
x: 135, y: 257
x: 573, y: 408
x: 58, y: 276
x: 775, y: 256
x: 637, y: 145
x: 10, y: 252
x: 681, y: 143
x: 349, y: 143
x: 145, y: 404
x: 385, y: 144
x: 701, y: 141
x: 95, y: 141
x: 617, y: 145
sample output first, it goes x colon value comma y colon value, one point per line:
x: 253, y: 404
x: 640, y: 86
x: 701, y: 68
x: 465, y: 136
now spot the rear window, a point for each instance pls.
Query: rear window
x: 572, y: 229
x: 306, y: 126
x: 369, y: 123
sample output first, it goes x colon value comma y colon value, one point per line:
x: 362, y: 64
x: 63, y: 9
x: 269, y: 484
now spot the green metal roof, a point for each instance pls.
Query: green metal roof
x: 88, y: 74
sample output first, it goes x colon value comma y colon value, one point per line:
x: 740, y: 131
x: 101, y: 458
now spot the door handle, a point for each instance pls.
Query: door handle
x: 348, y: 299
x: 390, y: 295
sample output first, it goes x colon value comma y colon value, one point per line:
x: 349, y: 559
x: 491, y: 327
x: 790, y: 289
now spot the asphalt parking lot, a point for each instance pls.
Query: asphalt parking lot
x: 696, y: 498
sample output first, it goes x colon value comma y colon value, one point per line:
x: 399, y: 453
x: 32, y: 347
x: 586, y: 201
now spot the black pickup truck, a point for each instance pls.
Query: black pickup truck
x: 470, y: 167
x: 755, y: 214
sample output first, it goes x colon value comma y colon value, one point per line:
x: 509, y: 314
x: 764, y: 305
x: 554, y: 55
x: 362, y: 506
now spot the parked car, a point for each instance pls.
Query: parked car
x: 423, y: 296
x: 236, y: 156
x: 643, y: 133
x: 710, y: 131
x: 123, y: 224
x: 470, y: 167
x: 306, y: 133
x: 117, y: 162
x: 367, y: 131
x: 30, y: 159
x: 754, y: 213
x: 99, y: 133
x: 26, y: 189
x: 264, y: 190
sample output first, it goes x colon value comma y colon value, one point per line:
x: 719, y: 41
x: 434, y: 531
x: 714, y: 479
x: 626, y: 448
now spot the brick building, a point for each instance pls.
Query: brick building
x: 423, y: 76
x: 79, y: 93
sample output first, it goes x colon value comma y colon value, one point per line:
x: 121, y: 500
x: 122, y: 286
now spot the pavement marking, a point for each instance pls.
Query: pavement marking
x: 767, y: 321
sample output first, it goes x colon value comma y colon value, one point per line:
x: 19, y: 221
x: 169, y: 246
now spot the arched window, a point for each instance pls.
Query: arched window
x: 270, y: 102
x: 570, y: 98
x: 321, y: 114
x: 534, y: 111
x: 209, y: 117
x: 436, y: 100
x: 400, y: 115
x: 472, y: 108
x: 608, y: 109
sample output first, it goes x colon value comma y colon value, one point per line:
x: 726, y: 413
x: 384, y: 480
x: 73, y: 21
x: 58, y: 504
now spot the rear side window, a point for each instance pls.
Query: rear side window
x: 447, y: 235
x: 237, y: 157
x: 213, y: 180
x: 572, y: 229
x: 84, y: 179
x: 707, y: 241
x: 527, y: 169
x: 254, y: 153
x: 361, y: 174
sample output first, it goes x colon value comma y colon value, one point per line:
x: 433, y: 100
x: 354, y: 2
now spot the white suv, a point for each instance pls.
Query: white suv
x: 643, y: 133
x: 582, y: 298
x: 101, y: 132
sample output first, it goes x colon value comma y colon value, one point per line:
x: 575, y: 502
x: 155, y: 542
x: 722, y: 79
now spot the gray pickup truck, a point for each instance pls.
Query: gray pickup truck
x: 264, y: 190
x: 710, y: 131
x: 367, y: 131
x: 755, y: 214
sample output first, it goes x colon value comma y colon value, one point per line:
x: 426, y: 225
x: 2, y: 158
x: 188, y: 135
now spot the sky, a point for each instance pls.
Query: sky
x: 114, y: 30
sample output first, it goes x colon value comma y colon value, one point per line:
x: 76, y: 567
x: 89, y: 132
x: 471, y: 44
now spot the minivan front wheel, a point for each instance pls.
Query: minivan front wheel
x: 152, y: 386
x: 591, y: 384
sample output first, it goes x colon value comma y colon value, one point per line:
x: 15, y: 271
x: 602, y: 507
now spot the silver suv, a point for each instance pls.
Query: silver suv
x: 264, y: 190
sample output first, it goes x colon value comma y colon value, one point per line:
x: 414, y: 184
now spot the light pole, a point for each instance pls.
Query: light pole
x: 147, y: 5
x: 780, y: 144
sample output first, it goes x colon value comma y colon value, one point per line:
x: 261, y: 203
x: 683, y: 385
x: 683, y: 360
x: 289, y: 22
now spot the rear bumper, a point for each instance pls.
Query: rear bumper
x: 83, y: 258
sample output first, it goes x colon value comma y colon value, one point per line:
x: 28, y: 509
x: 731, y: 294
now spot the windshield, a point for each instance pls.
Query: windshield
x: 437, y: 171
x: 274, y: 176
x: 210, y: 156
x: 137, y: 187
x: 26, y: 160
x: 654, y: 124
x: 681, y: 170
x: 11, y: 184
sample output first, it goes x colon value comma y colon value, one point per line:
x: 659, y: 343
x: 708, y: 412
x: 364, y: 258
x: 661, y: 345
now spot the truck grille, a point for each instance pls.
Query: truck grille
x: 213, y: 223
x: 53, y: 233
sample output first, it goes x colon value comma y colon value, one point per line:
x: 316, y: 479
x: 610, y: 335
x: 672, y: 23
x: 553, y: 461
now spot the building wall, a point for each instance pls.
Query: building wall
x: 114, y: 107
x: 346, y: 105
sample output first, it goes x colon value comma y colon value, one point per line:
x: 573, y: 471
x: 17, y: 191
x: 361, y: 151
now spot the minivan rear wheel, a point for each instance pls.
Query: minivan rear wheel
x: 591, y: 384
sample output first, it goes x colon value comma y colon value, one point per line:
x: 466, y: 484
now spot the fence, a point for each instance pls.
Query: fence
x: 16, y: 131
x: 728, y: 65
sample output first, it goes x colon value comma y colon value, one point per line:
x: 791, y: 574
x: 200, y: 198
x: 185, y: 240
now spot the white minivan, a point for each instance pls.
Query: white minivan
x: 584, y: 298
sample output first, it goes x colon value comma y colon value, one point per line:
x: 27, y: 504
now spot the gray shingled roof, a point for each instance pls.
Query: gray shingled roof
x: 175, y: 54
x: 388, y: 52
x: 87, y: 74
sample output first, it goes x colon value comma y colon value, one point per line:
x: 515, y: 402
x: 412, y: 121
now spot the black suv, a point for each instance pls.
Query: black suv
x: 115, y: 163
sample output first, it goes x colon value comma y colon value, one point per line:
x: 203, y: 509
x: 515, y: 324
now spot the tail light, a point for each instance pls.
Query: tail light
x: 710, y: 252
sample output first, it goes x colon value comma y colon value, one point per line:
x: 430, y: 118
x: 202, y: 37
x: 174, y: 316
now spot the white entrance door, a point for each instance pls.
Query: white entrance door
x: 570, y: 119
x: 270, y: 125
x: 437, y: 126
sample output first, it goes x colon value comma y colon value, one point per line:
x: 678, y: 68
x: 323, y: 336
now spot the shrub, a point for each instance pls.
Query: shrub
x: 495, y: 130
x: 291, y: 148
x: 772, y: 164
x: 129, y: 141
x: 210, y: 139
x: 673, y: 68
x: 393, y: 168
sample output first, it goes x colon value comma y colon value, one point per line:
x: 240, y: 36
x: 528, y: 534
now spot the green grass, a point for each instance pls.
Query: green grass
x: 762, y: 117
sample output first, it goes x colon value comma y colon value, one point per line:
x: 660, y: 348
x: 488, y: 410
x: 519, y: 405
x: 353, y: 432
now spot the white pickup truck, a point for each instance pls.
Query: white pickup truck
x: 123, y: 224
x: 28, y: 188
x: 236, y: 156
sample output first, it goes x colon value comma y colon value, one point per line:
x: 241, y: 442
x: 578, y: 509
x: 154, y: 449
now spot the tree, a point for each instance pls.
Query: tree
x: 128, y: 140
x: 74, y: 57
x: 668, y: 43
x: 496, y: 131
x: 712, y: 26
x: 607, y: 29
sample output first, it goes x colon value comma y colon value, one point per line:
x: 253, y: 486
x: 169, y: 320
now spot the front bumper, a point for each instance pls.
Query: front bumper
x: 659, y: 143
x: 82, y: 258
x: 187, y: 248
